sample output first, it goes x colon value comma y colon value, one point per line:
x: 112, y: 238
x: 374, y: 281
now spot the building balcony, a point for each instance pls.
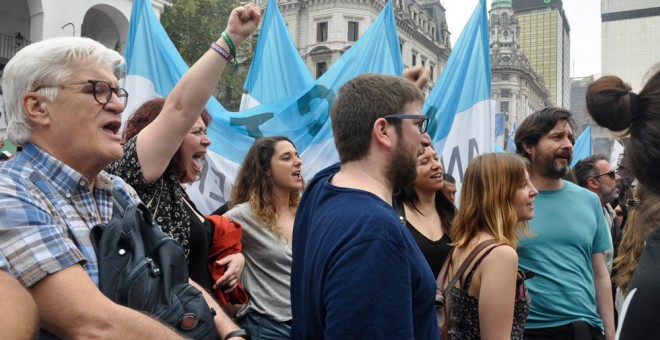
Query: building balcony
x: 10, y: 45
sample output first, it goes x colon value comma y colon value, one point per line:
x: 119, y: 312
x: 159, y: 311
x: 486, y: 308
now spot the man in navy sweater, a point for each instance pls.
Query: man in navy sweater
x: 357, y: 272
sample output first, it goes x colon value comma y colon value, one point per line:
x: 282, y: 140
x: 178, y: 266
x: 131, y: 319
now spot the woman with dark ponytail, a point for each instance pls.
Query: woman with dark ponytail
x: 612, y: 104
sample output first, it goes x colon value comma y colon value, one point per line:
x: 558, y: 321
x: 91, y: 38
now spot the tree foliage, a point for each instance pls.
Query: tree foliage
x: 193, y: 25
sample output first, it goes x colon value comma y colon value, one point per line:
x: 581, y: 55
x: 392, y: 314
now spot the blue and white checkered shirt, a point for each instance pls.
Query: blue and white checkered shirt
x: 47, y: 212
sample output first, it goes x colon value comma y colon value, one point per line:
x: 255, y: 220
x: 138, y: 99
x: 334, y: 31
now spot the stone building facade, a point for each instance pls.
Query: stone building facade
x: 324, y: 29
x: 516, y: 88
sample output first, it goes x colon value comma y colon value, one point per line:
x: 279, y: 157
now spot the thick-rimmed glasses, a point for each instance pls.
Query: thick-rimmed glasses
x: 423, y: 124
x: 102, y: 90
x: 611, y: 174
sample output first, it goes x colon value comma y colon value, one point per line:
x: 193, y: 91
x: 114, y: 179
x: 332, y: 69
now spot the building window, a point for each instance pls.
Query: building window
x: 353, y: 30
x: 322, y: 31
x: 414, y: 59
x: 321, y: 67
x: 504, y: 76
x: 432, y: 71
x: 423, y: 63
x: 505, y: 93
x: 504, y: 106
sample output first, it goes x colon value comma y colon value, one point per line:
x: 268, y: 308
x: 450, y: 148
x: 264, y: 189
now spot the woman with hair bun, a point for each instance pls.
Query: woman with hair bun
x: 613, y: 105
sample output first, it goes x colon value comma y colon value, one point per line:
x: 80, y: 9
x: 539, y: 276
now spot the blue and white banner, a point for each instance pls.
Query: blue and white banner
x: 499, y: 129
x: 511, y: 144
x: 155, y: 66
x: 617, y: 154
x: 462, y: 124
x: 582, y: 147
x: 277, y: 70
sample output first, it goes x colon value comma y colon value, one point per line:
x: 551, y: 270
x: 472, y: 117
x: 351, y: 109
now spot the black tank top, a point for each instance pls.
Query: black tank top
x: 435, y: 252
x: 201, y: 235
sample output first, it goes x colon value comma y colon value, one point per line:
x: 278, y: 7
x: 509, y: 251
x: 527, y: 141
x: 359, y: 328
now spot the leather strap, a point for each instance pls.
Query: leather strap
x: 242, y: 333
x: 444, y: 272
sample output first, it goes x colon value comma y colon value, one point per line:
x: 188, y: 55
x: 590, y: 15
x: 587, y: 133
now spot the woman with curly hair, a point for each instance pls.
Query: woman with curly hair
x: 265, y: 198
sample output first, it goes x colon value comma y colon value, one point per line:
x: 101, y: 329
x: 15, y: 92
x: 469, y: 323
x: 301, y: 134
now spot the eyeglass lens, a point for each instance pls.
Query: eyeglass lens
x: 103, y: 92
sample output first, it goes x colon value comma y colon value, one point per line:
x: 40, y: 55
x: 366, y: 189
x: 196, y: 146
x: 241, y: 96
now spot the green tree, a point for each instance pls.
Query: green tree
x: 193, y: 25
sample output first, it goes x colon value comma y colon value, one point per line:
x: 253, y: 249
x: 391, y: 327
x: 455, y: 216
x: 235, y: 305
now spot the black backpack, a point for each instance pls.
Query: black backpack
x: 143, y: 268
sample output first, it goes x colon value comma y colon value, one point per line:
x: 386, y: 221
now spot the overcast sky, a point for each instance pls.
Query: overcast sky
x: 583, y: 18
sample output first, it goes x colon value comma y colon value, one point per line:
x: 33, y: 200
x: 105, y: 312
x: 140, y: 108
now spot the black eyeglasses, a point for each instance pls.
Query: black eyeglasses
x: 102, y: 90
x: 611, y: 174
x: 422, y: 125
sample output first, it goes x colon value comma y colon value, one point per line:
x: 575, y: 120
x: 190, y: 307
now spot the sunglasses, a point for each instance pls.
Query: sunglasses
x: 611, y: 174
x: 422, y: 125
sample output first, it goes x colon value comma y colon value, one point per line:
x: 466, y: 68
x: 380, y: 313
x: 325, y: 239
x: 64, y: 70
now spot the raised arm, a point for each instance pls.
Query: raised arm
x: 418, y: 75
x: 158, y: 142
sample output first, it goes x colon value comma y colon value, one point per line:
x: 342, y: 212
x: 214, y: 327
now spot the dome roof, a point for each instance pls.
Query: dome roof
x: 501, y: 4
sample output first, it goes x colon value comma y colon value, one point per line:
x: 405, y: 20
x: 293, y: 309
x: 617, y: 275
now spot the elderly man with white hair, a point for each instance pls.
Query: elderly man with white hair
x: 64, y: 105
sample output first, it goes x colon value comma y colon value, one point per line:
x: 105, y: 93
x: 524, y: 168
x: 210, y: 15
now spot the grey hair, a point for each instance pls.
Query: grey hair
x: 50, y: 61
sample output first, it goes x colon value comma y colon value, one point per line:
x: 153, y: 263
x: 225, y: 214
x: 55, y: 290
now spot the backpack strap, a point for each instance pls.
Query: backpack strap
x: 444, y: 272
x: 468, y: 278
x: 400, y: 210
x: 119, y: 203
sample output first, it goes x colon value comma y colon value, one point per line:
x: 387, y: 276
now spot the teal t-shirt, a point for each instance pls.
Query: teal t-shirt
x: 567, y: 229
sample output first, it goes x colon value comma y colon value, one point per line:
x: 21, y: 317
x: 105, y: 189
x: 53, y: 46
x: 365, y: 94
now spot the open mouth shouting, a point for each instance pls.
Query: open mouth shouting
x: 198, y: 161
x: 296, y: 175
x: 112, y: 128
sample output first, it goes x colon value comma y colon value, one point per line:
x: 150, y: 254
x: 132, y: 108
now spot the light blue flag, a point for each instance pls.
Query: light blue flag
x: 462, y: 124
x: 154, y: 64
x: 277, y: 70
x: 511, y: 145
x: 499, y: 129
x: 582, y: 147
x: 304, y: 117
x: 498, y: 148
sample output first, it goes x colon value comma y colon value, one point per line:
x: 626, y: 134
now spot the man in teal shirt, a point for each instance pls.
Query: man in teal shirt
x: 571, y: 292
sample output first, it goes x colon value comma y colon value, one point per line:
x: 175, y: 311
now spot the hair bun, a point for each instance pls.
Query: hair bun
x: 635, y: 110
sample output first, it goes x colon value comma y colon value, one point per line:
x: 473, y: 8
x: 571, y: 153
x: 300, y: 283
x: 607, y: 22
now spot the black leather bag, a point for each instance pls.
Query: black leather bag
x: 143, y: 268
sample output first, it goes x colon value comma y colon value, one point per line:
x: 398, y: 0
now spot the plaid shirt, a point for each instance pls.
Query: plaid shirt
x: 46, y: 213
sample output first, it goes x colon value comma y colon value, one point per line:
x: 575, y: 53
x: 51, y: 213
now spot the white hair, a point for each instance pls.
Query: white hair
x: 50, y: 61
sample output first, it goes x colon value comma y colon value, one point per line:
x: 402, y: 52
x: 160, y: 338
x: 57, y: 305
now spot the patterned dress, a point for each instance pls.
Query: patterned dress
x: 164, y: 197
x: 465, y: 309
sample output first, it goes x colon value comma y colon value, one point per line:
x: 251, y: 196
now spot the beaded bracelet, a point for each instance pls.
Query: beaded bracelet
x: 232, y: 48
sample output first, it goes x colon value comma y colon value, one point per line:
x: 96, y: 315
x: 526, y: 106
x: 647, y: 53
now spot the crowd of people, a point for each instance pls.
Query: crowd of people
x: 360, y: 251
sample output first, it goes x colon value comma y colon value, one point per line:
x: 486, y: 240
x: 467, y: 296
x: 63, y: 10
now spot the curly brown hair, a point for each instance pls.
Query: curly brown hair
x: 146, y: 114
x: 254, y: 185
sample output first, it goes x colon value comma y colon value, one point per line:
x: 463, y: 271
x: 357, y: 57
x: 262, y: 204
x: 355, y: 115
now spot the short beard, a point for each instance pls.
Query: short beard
x: 402, y: 170
x: 550, y: 169
x: 609, y: 194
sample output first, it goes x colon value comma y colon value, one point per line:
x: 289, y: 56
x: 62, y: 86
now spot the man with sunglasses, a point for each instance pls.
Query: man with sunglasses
x: 596, y: 174
x: 571, y: 292
x: 357, y: 273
